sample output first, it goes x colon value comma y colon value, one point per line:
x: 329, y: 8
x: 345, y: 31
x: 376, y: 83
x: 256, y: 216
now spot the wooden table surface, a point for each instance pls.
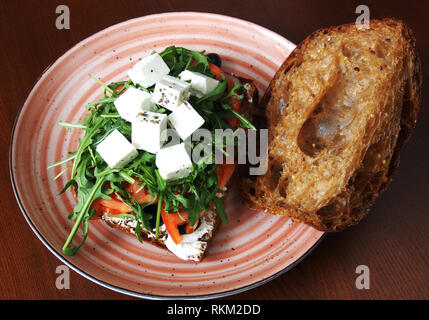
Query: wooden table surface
x: 393, y: 241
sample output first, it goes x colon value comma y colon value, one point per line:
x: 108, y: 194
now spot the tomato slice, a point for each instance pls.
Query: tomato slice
x: 236, y: 104
x: 119, y: 88
x: 139, y: 192
x: 112, y: 205
x: 116, y: 206
x: 224, y: 173
x: 108, y: 94
x: 217, y: 72
x: 173, y: 220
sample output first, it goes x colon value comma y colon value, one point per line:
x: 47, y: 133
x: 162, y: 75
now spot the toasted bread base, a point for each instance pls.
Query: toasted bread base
x: 190, y: 249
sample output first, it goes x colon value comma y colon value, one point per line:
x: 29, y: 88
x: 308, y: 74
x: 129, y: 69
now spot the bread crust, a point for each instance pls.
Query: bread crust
x: 338, y: 111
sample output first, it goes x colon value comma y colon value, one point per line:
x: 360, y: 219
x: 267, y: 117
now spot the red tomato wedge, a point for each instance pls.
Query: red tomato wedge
x: 224, y: 174
x: 116, y: 206
x: 189, y: 229
x: 119, y: 88
x: 108, y: 94
x: 225, y: 171
x: 112, y: 206
x: 172, y: 222
x: 236, y: 104
x: 139, y: 192
x: 217, y: 72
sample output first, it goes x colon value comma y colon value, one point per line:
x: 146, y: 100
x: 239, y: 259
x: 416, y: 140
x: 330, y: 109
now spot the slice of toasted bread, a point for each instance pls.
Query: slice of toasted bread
x: 338, y: 111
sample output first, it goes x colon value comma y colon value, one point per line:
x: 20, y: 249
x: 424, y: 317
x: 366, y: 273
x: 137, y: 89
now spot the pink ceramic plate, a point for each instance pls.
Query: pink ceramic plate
x: 252, y: 249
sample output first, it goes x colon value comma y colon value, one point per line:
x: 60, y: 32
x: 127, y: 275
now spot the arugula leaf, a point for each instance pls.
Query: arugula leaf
x: 82, y: 216
x: 62, y: 161
x: 142, y: 217
x: 220, y: 209
x: 158, y: 216
x: 217, y: 93
x: 179, y: 59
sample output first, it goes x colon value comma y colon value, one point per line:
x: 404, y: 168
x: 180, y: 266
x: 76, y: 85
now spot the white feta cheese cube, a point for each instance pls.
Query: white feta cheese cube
x: 173, y: 162
x: 149, y: 70
x: 132, y: 102
x: 170, y: 92
x: 149, y: 131
x: 199, y: 82
x: 185, y: 119
x: 116, y: 150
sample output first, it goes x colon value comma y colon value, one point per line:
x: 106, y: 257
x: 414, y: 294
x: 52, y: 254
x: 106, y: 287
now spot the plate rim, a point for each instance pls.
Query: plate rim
x: 83, y: 273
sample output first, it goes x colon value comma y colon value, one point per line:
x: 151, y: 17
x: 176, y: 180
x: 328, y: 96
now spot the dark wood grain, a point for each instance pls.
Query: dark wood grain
x: 393, y: 241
